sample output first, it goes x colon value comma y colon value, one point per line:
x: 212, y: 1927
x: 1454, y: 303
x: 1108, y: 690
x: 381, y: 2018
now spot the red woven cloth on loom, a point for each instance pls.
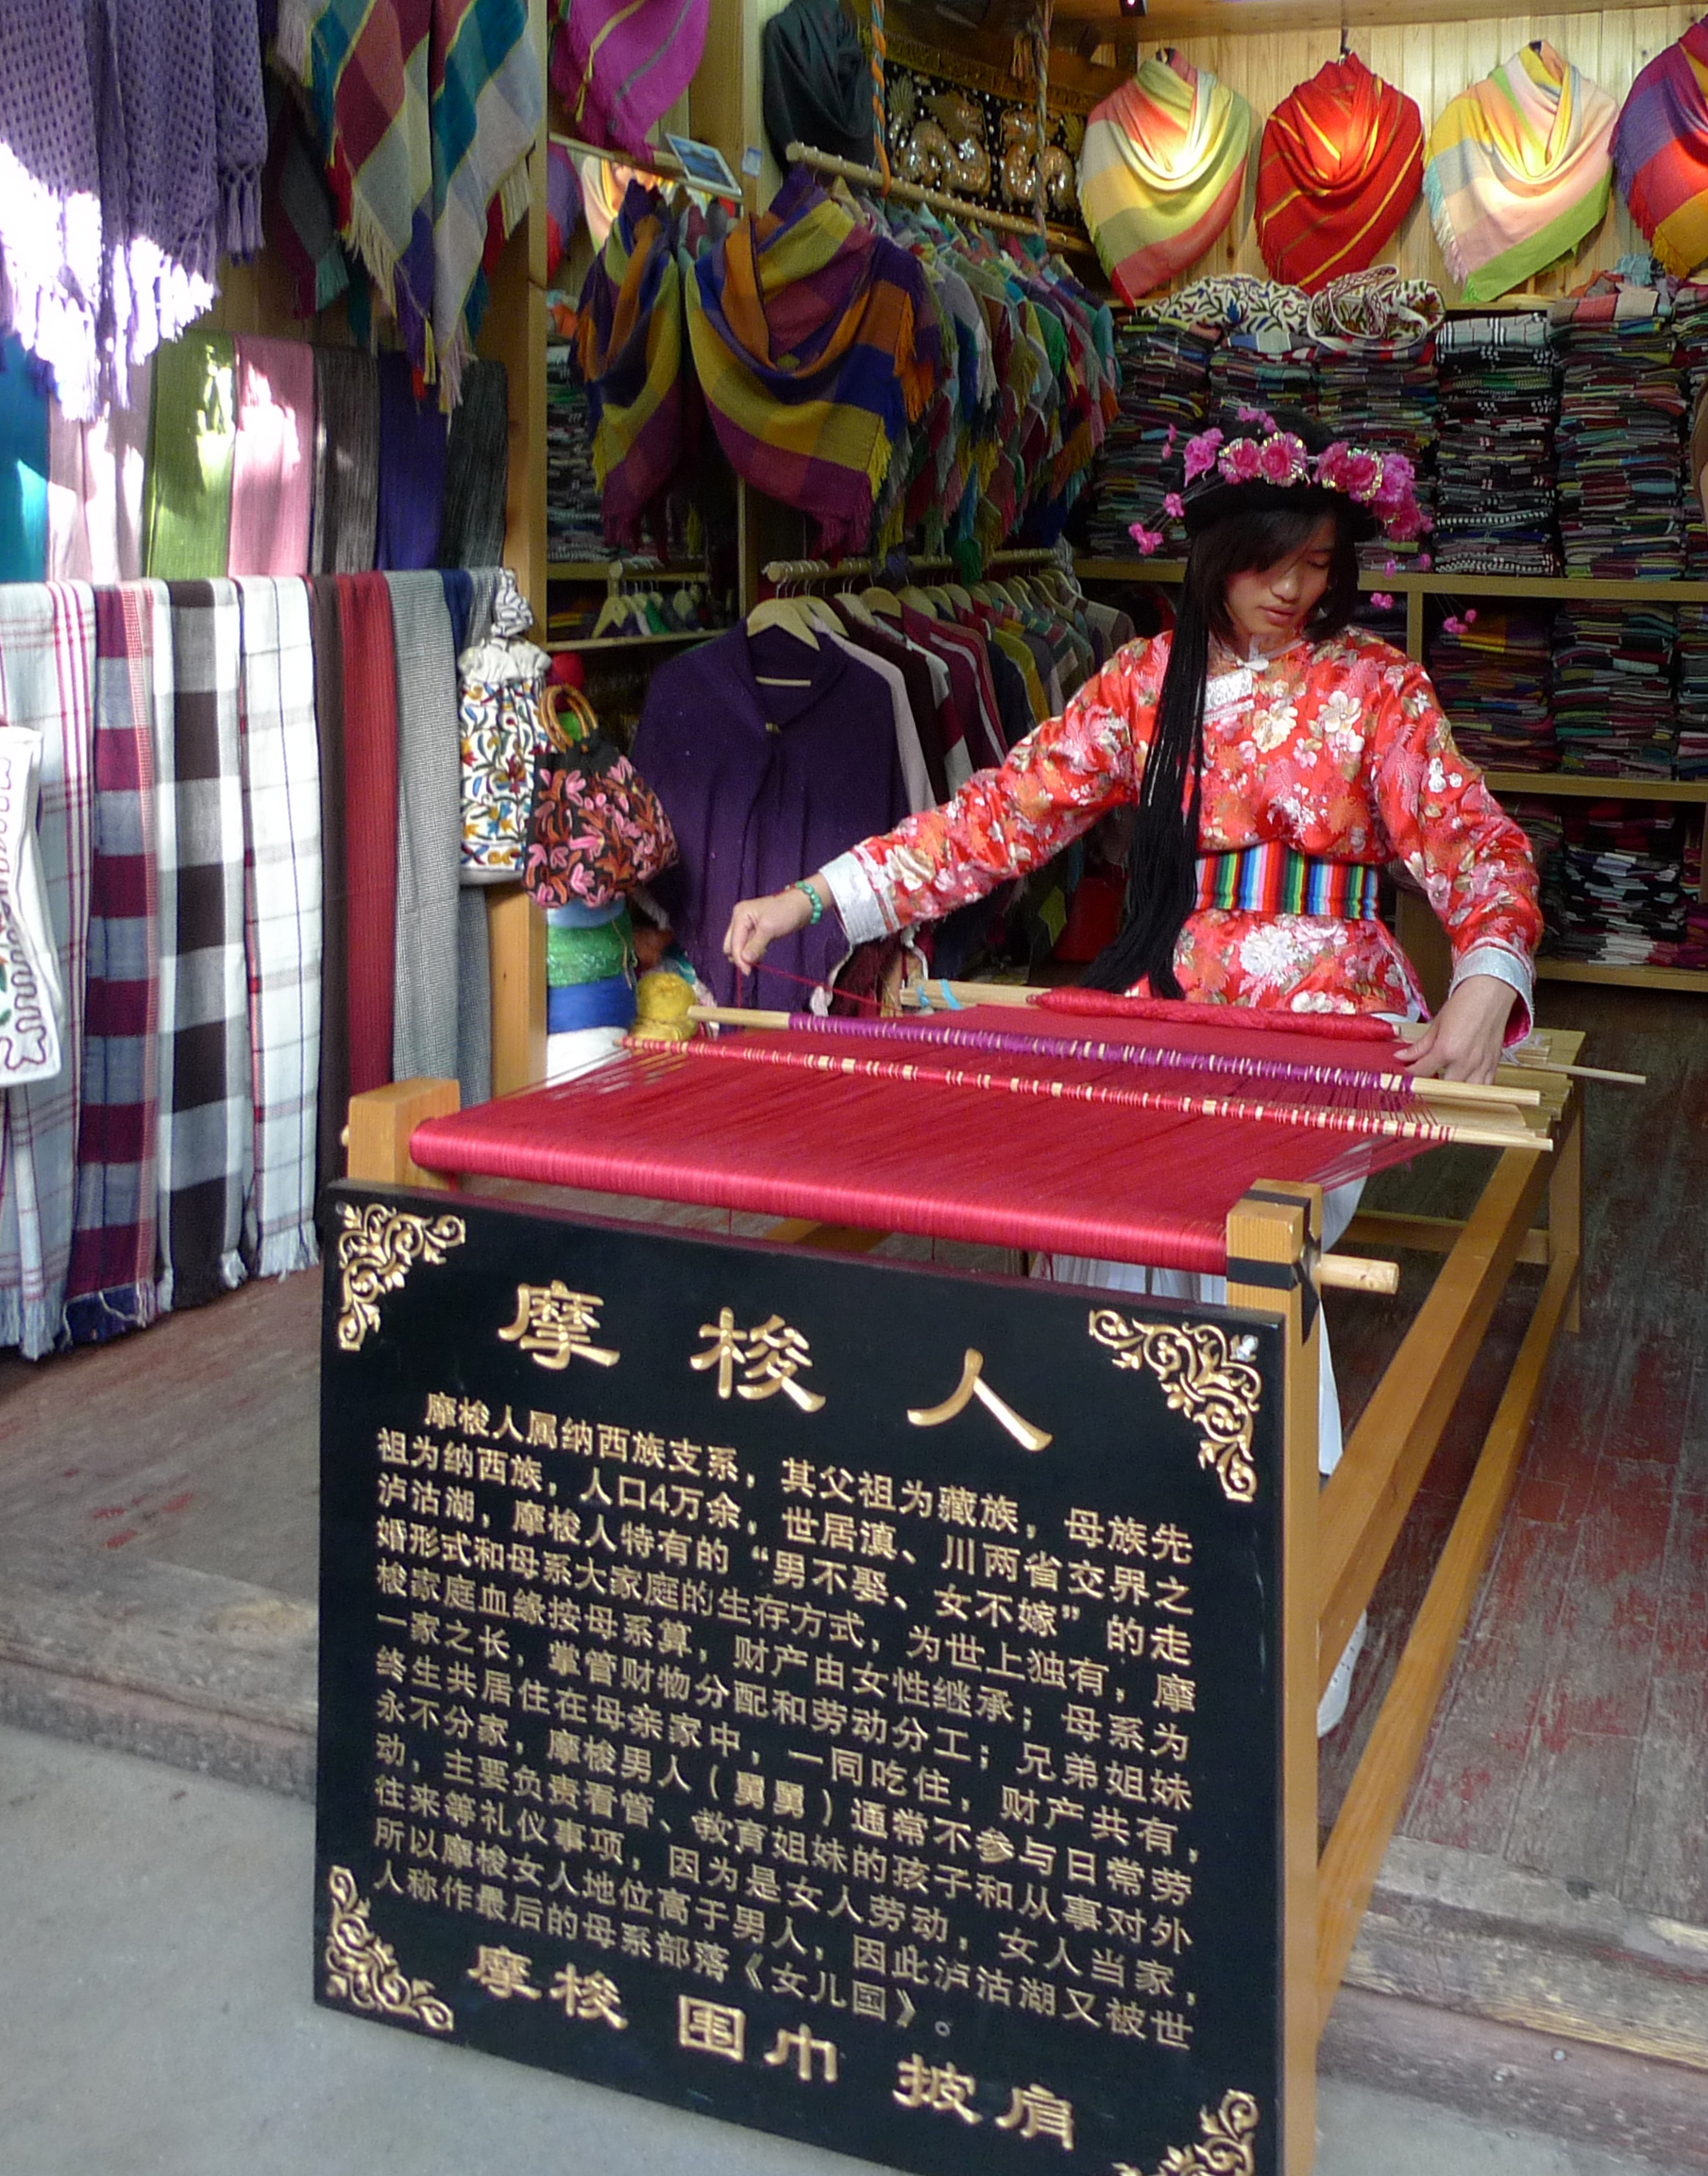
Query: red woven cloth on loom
x: 1234, y: 1020
x: 945, y: 1163
x: 370, y: 818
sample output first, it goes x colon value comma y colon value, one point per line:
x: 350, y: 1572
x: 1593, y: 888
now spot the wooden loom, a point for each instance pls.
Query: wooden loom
x: 806, y: 1139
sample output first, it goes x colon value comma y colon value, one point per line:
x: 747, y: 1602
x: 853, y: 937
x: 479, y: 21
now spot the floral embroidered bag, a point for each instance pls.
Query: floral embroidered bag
x: 596, y: 830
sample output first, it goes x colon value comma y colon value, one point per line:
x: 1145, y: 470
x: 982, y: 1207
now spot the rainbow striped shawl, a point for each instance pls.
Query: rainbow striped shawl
x: 816, y: 348
x: 1518, y: 171
x: 1162, y: 170
x: 424, y: 111
x: 1660, y: 152
x: 627, y: 338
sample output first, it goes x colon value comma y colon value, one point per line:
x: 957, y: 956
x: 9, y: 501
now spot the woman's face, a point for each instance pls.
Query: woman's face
x: 1270, y: 605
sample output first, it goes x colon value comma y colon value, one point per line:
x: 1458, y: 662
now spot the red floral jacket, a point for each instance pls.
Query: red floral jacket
x: 1336, y: 748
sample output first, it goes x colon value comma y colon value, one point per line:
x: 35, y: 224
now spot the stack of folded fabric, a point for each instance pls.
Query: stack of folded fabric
x: 1693, y: 952
x: 1382, y: 614
x: 1691, y: 659
x: 1616, y: 444
x: 575, y: 526
x: 1613, y: 712
x: 1493, y: 448
x: 1377, y: 386
x: 1690, y: 356
x: 1615, y: 893
x: 1165, y: 388
x: 1492, y: 675
x: 1249, y: 370
x: 589, y: 968
x: 1540, y: 821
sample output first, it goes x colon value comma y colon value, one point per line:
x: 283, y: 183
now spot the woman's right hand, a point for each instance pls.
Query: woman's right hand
x: 756, y: 925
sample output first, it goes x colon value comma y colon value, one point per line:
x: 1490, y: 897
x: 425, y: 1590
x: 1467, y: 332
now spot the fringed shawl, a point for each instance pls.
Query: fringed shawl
x: 815, y: 350
x: 627, y: 340
x: 1660, y: 152
x: 1162, y: 170
x: 1341, y: 165
x: 1518, y: 171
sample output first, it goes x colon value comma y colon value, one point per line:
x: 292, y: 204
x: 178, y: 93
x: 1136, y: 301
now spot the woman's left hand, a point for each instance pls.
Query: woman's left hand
x: 1466, y: 1039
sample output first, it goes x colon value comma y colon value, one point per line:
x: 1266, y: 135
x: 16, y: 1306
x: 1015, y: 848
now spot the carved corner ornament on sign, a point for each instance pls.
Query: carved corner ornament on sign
x: 363, y: 1970
x: 376, y: 1249
x: 1227, y: 2147
x: 1205, y: 1374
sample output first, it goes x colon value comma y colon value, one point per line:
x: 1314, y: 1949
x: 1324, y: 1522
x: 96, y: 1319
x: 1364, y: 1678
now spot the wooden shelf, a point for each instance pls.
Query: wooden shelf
x: 1569, y: 589
x: 590, y: 642
x: 579, y: 570
x: 625, y: 570
x: 1687, y: 979
x: 1576, y: 784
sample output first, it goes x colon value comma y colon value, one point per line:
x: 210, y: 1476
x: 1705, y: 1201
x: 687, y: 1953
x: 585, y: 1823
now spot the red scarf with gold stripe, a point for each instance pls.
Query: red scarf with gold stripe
x: 1341, y: 164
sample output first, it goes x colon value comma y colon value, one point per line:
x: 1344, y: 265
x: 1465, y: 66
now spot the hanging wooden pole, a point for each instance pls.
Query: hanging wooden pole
x: 934, y: 200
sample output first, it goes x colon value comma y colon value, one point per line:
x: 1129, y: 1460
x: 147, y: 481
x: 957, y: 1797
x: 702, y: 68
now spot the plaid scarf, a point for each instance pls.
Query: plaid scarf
x: 816, y: 348
x: 46, y: 671
x: 1162, y: 170
x: 1341, y: 164
x: 110, y: 1288
x: 207, y: 1119
x: 426, y: 111
x: 1660, y: 152
x: 281, y: 870
x: 1518, y: 171
x: 627, y: 340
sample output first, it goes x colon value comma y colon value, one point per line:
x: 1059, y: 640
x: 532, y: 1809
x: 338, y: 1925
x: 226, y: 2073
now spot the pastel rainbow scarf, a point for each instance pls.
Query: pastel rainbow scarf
x: 816, y: 347
x: 1162, y: 170
x: 1518, y: 171
x: 1660, y: 152
x: 628, y: 339
x: 1341, y: 165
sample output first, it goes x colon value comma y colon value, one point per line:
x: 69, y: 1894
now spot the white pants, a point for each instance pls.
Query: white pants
x: 1337, y: 1206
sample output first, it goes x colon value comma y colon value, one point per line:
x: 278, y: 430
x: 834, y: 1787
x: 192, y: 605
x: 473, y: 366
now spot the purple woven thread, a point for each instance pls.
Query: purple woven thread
x: 1162, y: 1057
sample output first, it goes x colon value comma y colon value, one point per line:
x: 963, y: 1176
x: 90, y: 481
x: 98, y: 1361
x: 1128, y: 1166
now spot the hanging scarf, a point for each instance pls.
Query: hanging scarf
x: 24, y: 464
x: 621, y: 66
x: 1660, y: 152
x: 46, y: 670
x: 273, y: 460
x: 192, y: 437
x: 412, y: 471
x: 817, y: 88
x: 815, y: 350
x: 627, y: 340
x: 426, y: 111
x: 477, y: 469
x: 346, y: 509
x: 1162, y: 170
x: 1518, y: 171
x: 1341, y: 164
x: 110, y: 1287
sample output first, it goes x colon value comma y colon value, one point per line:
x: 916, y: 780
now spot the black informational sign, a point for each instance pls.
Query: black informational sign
x: 835, y: 1696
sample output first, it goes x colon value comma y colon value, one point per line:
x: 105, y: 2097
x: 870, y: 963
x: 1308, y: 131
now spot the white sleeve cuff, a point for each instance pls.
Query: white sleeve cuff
x: 857, y: 900
x: 1508, y: 967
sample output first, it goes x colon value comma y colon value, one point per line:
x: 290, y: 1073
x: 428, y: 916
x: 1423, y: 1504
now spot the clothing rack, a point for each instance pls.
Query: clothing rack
x: 934, y: 200
x: 849, y: 570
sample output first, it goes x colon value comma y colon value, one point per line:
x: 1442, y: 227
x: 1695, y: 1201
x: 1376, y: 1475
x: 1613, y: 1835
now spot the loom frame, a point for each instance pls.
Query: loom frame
x: 1336, y: 1543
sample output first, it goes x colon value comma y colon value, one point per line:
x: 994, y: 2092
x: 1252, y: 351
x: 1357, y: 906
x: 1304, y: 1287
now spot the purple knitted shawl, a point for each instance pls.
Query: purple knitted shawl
x: 133, y: 134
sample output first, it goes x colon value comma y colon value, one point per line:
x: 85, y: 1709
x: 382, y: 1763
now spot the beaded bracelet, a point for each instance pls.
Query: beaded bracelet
x: 801, y: 884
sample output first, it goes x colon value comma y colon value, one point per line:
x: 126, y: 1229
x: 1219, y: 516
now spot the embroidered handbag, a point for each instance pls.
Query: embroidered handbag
x: 596, y: 830
x: 503, y: 730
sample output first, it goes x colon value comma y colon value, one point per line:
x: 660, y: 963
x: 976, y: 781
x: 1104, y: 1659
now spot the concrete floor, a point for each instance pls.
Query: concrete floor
x: 155, y: 2020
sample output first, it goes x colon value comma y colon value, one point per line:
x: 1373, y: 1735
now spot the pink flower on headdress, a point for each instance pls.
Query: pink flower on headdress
x: 1398, y: 477
x: 1382, y: 600
x: 1149, y: 541
x: 1175, y: 506
x: 1168, y: 444
x: 1363, y: 475
x: 1242, y: 462
x: 1452, y: 626
x: 1281, y: 459
x: 1201, y: 453
x: 1424, y: 562
x: 1405, y: 523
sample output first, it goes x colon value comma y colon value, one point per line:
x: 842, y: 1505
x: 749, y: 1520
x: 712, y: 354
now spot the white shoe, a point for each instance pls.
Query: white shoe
x: 1331, y: 1708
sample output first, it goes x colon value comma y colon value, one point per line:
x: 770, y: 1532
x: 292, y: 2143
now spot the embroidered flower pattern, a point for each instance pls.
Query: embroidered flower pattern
x: 1339, y: 748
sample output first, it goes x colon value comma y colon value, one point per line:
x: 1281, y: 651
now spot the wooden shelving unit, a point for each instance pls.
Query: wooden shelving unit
x: 586, y: 644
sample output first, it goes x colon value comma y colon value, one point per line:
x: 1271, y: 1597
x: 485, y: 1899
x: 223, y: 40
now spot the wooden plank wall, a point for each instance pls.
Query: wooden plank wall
x: 1433, y: 63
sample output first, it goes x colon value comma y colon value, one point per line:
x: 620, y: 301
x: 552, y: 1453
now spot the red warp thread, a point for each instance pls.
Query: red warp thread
x: 1331, y: 1027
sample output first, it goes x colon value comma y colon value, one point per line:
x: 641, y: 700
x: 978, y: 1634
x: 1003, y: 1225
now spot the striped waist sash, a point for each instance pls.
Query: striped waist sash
x: 1275, y: 879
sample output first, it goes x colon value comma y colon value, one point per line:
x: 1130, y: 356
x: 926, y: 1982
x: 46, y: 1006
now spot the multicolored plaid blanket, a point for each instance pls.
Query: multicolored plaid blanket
x: 1518, y: 170
x: 1660, y: 152
x: 627, y: 340
x: 426, y: 111
x: 815, y: 349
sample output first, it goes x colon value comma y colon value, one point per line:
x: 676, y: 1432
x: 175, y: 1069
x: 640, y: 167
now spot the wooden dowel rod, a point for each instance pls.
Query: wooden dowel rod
x: 935, y: 199
x: 738, y: 1016
x: 1357, y: 1273
x: 1579, y: 1072
x: 663, y: 162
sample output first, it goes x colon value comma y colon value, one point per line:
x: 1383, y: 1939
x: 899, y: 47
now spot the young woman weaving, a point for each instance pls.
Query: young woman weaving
x: 1272, y: 752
